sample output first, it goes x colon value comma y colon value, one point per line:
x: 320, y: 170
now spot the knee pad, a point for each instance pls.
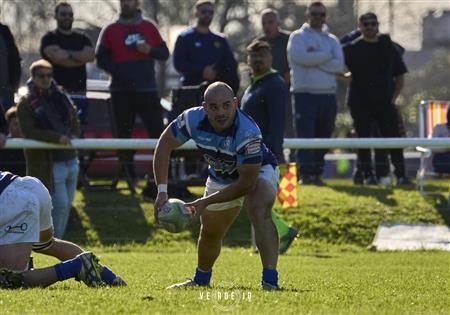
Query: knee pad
x: 41, y: 246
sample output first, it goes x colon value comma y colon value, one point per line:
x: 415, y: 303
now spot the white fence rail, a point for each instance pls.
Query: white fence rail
x: 146, y: 144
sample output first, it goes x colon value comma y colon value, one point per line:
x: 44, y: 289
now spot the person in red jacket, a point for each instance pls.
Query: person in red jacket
x: 127, y: 49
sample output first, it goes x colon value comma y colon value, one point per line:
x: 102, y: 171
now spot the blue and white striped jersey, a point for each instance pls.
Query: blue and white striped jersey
x: 224, y: 151
x: 6, y: 178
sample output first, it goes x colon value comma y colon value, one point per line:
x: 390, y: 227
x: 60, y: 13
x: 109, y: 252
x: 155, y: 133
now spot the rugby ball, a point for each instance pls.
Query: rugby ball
x: 173, y: 216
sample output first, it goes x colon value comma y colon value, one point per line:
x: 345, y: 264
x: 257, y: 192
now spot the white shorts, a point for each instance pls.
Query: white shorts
x: 267, y: 173
x: 25, y: 210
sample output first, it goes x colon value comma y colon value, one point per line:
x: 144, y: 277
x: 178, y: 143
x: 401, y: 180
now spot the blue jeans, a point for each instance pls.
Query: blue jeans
x: 315, y: 116
x: 65, y: 175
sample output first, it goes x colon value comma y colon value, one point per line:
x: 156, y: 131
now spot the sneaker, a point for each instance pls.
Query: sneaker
x: 287, y: 240
x: 90, y: 270
x: 385, y: 181
x: 186, y: 284
x: 119, y: 282
x: 306, y: 180
x: 318, y: 181
x: 371, y: 180
x: 404, y: 181
x: 269, y: 287
x: 10, y: 279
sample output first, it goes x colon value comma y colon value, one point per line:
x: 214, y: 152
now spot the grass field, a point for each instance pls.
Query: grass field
x: 327, y: 271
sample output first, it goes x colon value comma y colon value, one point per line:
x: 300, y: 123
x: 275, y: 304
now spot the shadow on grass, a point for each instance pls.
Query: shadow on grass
x: 440, y: 203
x: 109, y: 217
x: 382, y: 194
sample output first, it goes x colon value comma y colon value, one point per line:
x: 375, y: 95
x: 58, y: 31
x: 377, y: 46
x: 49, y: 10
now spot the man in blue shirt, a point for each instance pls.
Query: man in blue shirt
x: 201, y: 55
x: 241, y: 171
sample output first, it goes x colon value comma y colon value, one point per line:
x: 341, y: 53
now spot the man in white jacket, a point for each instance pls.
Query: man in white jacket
x: 315, y: 57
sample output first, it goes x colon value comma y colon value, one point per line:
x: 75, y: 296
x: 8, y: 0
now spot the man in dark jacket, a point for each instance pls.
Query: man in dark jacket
x: 127, y: 49
x: 9, y: 72
x: 265, y: 101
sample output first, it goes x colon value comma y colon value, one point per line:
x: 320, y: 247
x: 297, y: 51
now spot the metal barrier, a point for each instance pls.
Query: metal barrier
x: 148, y: 144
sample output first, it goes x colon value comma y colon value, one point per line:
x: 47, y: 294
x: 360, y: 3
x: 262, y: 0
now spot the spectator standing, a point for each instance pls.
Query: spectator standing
x: 127, y: 49
x: 200, y: 56
x: 68, y: 51
x: 13, y: 160
x: 381, y: 156
x: 373, y: 62
x: 9, y: 72
x: 278, y: 41
x: 315, y: 57
x: 47, y: 114
x: 265, y: 101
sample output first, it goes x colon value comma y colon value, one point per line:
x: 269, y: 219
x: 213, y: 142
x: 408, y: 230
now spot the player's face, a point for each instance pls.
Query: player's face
x: 316, y: 16
x: 270, y: 25
x: 260, y: 61
x: 221, y: 112
x: 64, y: 17
x: 128, y: 8
x: 43, y: 78
x: 369, y: 28
x: 204, y: 14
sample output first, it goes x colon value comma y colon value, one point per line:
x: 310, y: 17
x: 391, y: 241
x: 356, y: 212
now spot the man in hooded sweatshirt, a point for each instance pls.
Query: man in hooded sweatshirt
x: 127, y: 50
x: 315, y: 57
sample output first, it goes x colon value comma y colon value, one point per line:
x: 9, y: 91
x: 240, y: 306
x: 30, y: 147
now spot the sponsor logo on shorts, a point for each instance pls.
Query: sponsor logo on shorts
x: 20, y: 229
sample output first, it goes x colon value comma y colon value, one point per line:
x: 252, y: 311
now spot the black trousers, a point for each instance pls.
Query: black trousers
x: 125, y: 106
x: 386, y: 121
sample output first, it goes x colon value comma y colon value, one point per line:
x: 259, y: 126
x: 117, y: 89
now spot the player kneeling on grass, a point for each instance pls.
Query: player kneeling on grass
x: 25, y: 225
x: 241, y: 171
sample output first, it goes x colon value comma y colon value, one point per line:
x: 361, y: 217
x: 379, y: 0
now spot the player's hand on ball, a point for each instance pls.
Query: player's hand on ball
x: 161, y: 199
x: 196, y: 208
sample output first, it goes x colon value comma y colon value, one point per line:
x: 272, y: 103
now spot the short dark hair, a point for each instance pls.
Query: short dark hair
x: 202, y: 2
x: 258, y: 45
x: 40, y: 64
x: 316, y: 4
x: 61, y: 4
x: 368, y: 16
x: 11, y: 113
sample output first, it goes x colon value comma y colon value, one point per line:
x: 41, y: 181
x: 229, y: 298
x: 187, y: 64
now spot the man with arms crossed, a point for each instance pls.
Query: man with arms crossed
x: 241, y: 171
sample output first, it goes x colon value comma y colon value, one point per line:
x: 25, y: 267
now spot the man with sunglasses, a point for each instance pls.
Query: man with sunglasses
x: 377, y: 76
x: 68, y: 51
x: 315, y: 57
x: 46, y: 114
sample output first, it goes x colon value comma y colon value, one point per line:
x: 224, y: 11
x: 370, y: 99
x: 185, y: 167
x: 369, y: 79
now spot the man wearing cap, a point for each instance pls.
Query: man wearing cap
x: 377, y: 76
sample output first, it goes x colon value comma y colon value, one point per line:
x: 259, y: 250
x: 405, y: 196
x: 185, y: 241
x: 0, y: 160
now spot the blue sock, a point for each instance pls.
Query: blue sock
x: 107, y: 275
x: 68, y: 269
x: 270, y: 276
x: 202, y: 277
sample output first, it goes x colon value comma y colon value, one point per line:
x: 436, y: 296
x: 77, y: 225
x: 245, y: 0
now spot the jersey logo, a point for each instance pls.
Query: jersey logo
x: 132, y: 38
x: 253, y: 147
x: 198, y: 44
x: 220, y: 165
x: 217, y: 44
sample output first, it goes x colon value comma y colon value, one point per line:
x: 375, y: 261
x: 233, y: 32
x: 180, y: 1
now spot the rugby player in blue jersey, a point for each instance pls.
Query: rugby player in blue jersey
x: 242, y: 171
x: 25, y: 225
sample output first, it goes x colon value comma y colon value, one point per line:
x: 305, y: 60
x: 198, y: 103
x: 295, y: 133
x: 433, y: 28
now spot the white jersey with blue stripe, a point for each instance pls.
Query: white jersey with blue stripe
x: 224, y: 151
x: 6, y: 178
